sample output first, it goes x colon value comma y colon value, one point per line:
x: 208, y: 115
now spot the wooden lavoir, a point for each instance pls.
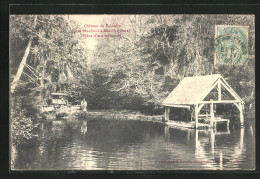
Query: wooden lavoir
x: 194, y: 93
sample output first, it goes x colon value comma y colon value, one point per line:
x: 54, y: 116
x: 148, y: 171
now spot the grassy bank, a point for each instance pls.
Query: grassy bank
x: 119, y: 115
x: 105, y: 114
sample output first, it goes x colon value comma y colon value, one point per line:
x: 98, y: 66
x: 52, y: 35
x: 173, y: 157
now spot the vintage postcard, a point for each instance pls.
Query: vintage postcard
x: 132, y: 92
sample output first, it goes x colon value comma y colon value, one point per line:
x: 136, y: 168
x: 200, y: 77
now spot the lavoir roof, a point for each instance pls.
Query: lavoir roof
x: 201, y: 89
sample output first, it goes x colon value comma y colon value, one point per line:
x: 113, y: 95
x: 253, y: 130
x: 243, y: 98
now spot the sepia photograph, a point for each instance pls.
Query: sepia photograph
x: 132, y: 92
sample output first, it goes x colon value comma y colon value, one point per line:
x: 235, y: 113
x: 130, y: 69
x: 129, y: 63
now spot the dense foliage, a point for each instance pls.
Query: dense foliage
x: 161, y: 50
x: 55, y: 56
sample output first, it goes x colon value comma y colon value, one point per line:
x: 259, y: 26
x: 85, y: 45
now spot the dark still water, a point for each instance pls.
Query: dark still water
x: 135, y: 145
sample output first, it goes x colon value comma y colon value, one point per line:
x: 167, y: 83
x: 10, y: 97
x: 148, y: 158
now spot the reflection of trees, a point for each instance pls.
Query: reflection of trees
x: 65, y: 145
x: 114, y: 142
x: 129, y: 145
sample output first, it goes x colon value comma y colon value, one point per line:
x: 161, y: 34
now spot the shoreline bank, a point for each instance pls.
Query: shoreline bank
x: 119, y: 116
x: 112, y: 115
x: 116, y: 115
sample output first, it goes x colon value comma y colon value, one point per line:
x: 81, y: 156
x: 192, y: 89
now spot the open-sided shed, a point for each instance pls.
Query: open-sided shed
x: 195, y: 92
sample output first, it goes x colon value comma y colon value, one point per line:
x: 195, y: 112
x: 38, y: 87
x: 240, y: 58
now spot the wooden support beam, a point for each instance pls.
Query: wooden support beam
x: 228, y: 87
x: 211, y: 113
x: 241, y: 114
x: 219, y: 91
x: 196, y: 111
x: 240, y: 107
x: 222, y: 101
x: 231, y: 91
x: 236, y: 105
x: 200, y: 106
x: 167, y: 113
x: 177, y: 105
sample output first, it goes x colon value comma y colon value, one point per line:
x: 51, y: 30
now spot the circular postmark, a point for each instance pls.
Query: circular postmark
x: 231, y: 46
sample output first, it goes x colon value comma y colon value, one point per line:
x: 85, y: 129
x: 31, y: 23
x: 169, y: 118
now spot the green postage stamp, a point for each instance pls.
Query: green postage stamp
x: 231, y: 45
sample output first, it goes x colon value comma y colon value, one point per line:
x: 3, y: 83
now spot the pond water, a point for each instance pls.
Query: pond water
x: 135, y: 145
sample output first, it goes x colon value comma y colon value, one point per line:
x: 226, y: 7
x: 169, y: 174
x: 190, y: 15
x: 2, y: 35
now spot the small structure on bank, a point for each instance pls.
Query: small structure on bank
x: 194, y: 93
x: 59, y: 99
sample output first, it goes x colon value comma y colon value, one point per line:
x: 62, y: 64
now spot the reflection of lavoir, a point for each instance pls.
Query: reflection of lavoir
x: 213, y: 156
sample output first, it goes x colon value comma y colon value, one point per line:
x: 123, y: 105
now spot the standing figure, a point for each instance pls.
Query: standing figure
x: 84, y: 105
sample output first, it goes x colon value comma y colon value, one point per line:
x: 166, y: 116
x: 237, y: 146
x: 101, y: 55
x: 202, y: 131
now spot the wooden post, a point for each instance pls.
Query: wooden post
x: 196, y: 111
x: 167, y: 113
x: 241, y: 114
x: 211, y: 114
x: 219, y: 91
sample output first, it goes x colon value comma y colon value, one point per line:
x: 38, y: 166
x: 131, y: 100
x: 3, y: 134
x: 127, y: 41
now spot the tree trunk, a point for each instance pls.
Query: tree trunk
x: 21, y: 66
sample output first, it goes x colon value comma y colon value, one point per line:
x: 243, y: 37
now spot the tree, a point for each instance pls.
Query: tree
x: 54, y: 52
x: 23, y: 61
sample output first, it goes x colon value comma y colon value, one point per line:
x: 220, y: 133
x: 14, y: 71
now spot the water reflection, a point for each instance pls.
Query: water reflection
x: 84, y: 127
x: 135, y: 145
x: 209, y: 145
